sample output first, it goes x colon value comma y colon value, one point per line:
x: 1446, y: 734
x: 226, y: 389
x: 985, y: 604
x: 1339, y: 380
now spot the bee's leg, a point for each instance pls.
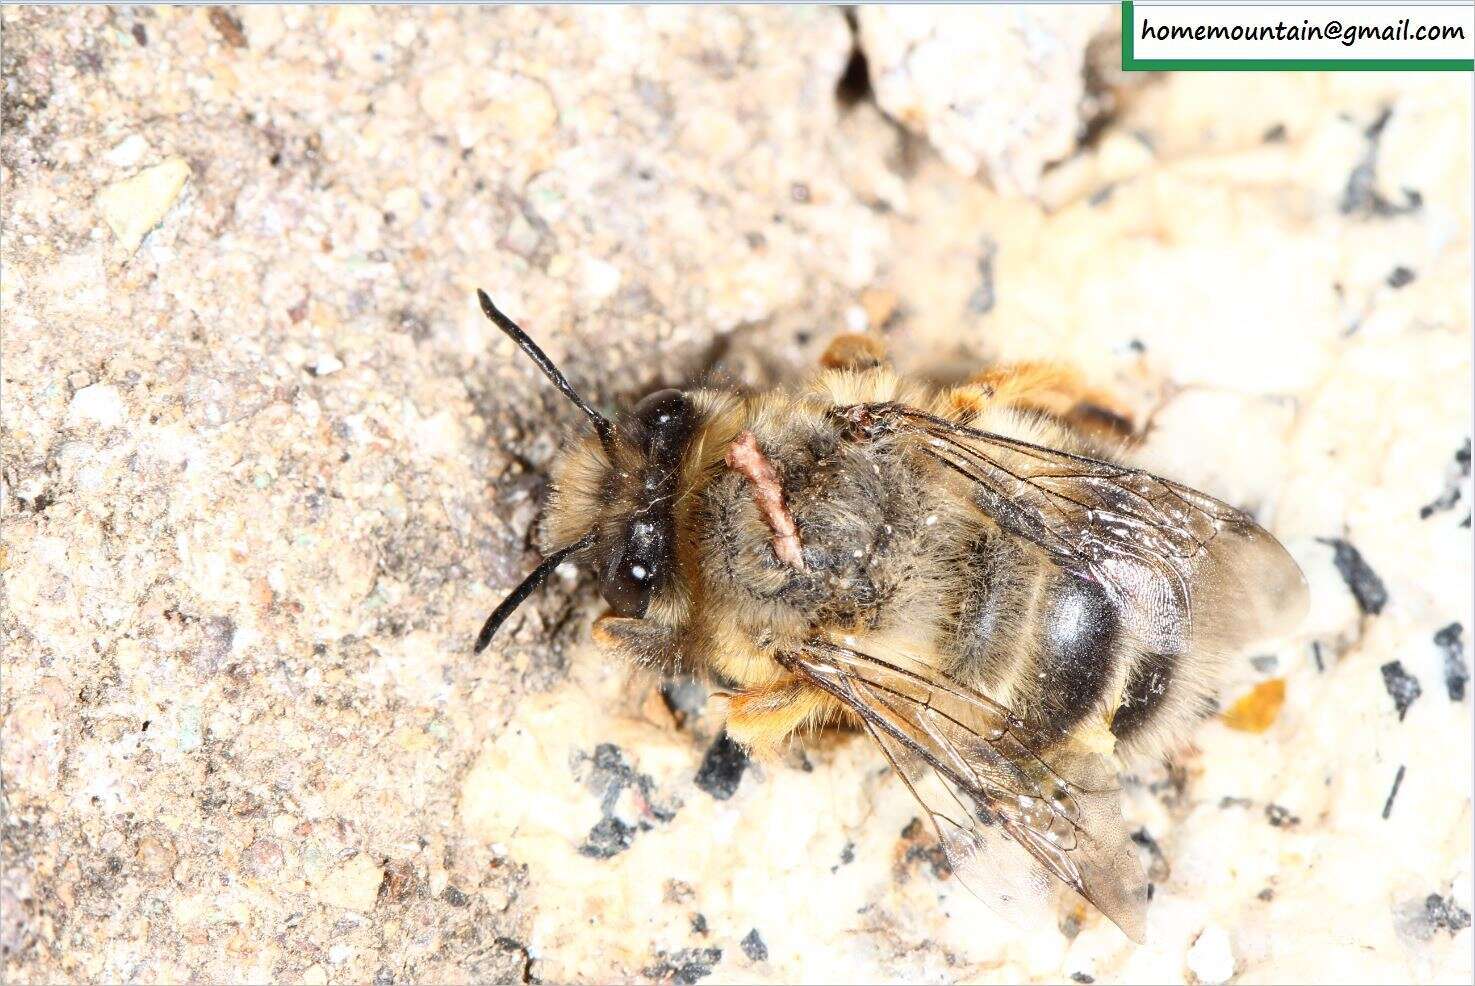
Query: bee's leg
x: 1048, y: 388
x: 762, y: 718
x: 854, y: 351
x: 643, y: 642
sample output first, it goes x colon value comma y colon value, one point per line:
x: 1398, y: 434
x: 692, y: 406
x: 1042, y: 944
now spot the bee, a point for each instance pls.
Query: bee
x: 972, y: 576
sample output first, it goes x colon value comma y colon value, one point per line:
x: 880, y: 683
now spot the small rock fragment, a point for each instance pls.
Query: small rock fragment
x: 134, y: 206
x: 262, y: 858
x: 1445, y: 915
x: 1393, y: 791
x: 1454, y: 483
x: 1456, y: 671
x: 399, y: 881
x: 156, y: 856
x: 1280, y: 816
x: 1400, y: 277
x: 722, y: 768
x: 326, y: 364
x: 128, y: 152
x: 228, y: 26
x: 683, y: 967
x: 997, y: 90
x: 609, y: 837
x: 1402, y: 687
x: 753, y: 946
x: 34, y: 740
x: 1211, y: 958
x: 100, y: 405
x: 353, y: 886
x: 1366, y: 587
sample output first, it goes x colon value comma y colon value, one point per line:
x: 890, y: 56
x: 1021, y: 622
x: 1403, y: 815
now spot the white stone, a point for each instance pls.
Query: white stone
x: 1211, y: 958
x: 353, y: 886
x: 996, y: 89
x: 99, y: 405
x: 128, y: 152
x: 326, y: 364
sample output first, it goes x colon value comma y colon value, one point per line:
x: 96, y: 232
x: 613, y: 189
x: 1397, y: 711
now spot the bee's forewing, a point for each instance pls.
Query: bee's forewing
x: 1014, y: 810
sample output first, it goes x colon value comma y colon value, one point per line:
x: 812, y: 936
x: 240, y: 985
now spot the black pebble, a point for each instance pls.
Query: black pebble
x: 754, y: 948
x: 1452, y: 488
x: 1456, y: 671
x: 1446, y: 914
x: 1366, y: 587
x: 687, y: 966
x: 1393, y: 791
x: 607, y: 838
x: 1280, y: 816
x: 455, y: 897
x: 722, y: 768
x: 1402, y: 687
x: 1400, y: 277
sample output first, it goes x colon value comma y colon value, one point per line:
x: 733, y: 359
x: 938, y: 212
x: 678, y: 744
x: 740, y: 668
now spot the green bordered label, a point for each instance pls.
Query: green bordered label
x: 1341, y: 37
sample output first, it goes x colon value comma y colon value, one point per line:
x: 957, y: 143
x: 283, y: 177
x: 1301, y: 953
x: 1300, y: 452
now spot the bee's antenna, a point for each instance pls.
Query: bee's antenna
x: 516, y: 597
x: 601, y: 424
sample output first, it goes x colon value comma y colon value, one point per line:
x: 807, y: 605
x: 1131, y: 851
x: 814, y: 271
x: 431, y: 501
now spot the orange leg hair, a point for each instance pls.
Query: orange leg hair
x: 1058, y: 391
x: 762, y: 718
x: 854, y: 351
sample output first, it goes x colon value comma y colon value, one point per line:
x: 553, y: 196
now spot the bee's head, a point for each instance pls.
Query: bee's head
x: 615, y: 495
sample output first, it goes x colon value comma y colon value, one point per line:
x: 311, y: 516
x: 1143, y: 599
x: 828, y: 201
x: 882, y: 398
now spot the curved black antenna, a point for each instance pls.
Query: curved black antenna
x: 601, y: 423
x: 516, y: 596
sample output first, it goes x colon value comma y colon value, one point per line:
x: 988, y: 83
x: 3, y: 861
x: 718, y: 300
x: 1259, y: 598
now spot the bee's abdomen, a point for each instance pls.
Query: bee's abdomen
x: 1145, y: 697
x: 1049, y: 644
x: 1079, y: 652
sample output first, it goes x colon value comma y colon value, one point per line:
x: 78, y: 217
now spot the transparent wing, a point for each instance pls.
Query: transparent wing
x: 1184, y: 570
x: 1012, y: 811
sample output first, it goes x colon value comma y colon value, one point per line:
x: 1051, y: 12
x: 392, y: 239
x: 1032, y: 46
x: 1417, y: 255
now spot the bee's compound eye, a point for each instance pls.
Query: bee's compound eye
x: 657, y: 411
x: 627, y: 584
x: 662, y: 421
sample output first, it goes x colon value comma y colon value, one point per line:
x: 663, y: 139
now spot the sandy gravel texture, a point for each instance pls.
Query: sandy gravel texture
x: 266, y: 468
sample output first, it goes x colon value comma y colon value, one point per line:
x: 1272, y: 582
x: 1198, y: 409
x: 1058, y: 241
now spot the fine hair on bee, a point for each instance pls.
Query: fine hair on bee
x: 975, y: 577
